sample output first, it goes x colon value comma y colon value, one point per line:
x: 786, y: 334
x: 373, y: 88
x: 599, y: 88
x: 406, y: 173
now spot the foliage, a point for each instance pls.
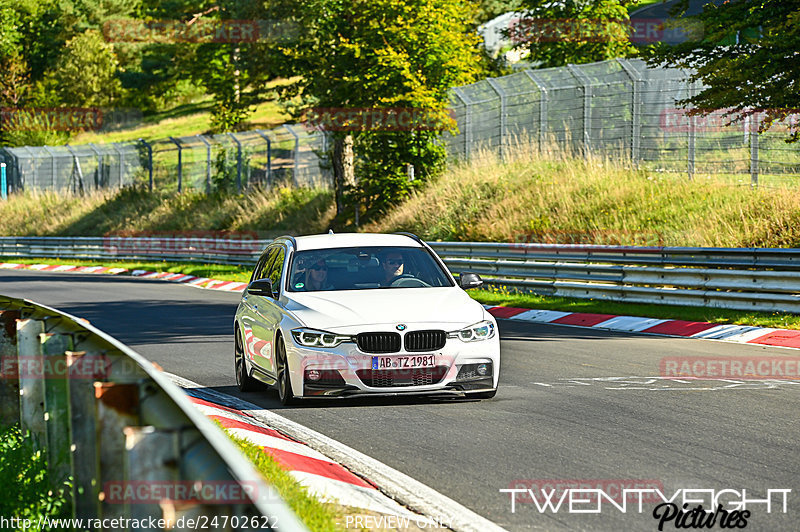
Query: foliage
x: 27, y: 489
x: 486, y: 10
x: 379, y: 54
x: 574, y: 31
x: 86, y: 72
x: 747, y: 59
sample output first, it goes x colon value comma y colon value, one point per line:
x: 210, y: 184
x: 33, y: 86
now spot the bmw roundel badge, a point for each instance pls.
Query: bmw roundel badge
x: 401, y: 327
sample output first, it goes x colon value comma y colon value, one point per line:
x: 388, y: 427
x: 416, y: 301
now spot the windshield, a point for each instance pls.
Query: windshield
x: 360, y: 268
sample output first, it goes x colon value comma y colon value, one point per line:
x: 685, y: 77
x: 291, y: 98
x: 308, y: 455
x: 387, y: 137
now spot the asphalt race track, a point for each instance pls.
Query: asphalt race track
x: 574, y: 405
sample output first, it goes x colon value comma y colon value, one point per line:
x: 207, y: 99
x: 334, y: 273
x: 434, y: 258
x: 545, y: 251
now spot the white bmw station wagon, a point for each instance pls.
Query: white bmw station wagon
x: 349, y: 314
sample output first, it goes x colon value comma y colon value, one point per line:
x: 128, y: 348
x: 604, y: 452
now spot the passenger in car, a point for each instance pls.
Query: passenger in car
x: 317, y: 277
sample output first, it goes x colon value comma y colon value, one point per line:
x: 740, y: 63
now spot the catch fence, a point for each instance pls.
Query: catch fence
x: 231, y: 161
x: 619, y: 109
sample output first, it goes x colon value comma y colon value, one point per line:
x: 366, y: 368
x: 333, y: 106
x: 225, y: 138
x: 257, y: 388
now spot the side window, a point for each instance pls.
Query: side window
x: 262, y: 261
x: 276, y: 269
x: 264, y: 271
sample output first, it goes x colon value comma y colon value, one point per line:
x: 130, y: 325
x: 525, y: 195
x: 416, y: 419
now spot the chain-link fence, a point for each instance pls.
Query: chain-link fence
x: 232, y: 161
x: 617, y: 108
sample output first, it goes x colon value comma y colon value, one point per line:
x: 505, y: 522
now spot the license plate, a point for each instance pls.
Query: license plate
x: 404, y: 362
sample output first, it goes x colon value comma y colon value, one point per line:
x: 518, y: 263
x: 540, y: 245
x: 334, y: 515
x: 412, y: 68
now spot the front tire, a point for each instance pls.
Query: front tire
x: 244, y: 381
x: 285, y: 393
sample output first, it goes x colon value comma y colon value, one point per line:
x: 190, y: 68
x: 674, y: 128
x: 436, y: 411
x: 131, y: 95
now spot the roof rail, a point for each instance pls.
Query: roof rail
x: 410, y: 235
x: 290, y: 238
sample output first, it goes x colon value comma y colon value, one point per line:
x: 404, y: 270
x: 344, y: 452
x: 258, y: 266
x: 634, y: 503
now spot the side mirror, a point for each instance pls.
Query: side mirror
x: 470, y: 280
x: 261, y: 287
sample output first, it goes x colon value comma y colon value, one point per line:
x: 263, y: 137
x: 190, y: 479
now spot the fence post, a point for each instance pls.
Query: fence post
x: 296, y: 153
x: 180, y: 163
x: 543, y: 99
x: 636, y: 109
x: 467, y: 122
x: 121, y: 155
x: 586, y: 87
x: 264, y: 136
x: 149, y: 161
x: 100, y: 166
x: 56, y: 403
x: 9, y: 385
x: 208, y: 162
x: 754, y: 150
x: 3, y: 182
x: 31, y: 386
x: 691, y: 133
x: 238, y: 163
x: 52, y: 168
x: 496, y: 87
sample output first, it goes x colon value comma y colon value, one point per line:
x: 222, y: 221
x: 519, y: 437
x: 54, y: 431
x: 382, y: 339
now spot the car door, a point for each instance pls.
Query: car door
x: 268, y: 311
x: 258, y: 339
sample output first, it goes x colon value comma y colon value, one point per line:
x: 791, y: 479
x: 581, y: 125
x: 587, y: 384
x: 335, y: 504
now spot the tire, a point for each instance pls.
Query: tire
x: 284, y: 385
x: 244, y: 381
x: 484, y: 395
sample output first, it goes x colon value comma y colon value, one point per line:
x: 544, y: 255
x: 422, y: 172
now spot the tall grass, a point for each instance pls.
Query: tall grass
x: 267, y: 212
x: 573, y: 199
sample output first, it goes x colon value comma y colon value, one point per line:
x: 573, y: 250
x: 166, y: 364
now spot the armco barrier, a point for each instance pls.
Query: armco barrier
x: 130, y: 440
x: 765, y: 279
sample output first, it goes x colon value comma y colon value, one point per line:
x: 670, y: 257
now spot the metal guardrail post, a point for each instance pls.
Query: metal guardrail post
x: 3, y: 182
x: 180, y: 163
x: 263, y: 135
x: 497, y: 89
x: 543, y: 99
x: 636, y: 109
x: 149, y: 148
x: 295, y: 172
x: 9, y: 380
x: 83, y: 429
x: 754, y: 120
x: 31, y: 387
x: 56, y: 403
x: 467, y: 122
x: 238, y: 163
x: 208, y: 162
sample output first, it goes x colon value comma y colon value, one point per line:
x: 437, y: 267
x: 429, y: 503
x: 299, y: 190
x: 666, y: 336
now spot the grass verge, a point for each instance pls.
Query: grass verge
x: 317, y: 516
x: 27, y: 490
x: 491, y: 296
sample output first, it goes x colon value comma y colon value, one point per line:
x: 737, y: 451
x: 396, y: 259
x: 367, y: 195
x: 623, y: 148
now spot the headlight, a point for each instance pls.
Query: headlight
x: 474, y: 333
x: 314, y: 338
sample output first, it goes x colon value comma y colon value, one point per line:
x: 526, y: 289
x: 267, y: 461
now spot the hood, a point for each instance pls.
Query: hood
x: 354, y: 310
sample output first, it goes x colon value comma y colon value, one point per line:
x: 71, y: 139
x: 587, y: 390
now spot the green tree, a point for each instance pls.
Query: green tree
x: 86, y: 73
x: 366, y: 54
x: 747, y: 60
x: 557, y: 33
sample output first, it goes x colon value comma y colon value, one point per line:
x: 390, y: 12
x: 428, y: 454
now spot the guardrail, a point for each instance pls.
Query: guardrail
x: 764, y: 279
x: 131, y: 442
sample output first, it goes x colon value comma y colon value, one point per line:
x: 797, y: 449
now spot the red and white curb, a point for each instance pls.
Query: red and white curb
x: 199, y: 282
x: 326, y: 467
x: 745, y: 334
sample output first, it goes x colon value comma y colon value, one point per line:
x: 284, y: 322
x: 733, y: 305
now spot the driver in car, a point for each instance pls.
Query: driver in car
x: 392, y: 265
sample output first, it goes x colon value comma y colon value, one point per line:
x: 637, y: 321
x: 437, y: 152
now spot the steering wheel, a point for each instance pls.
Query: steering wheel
x: 406, y: 280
